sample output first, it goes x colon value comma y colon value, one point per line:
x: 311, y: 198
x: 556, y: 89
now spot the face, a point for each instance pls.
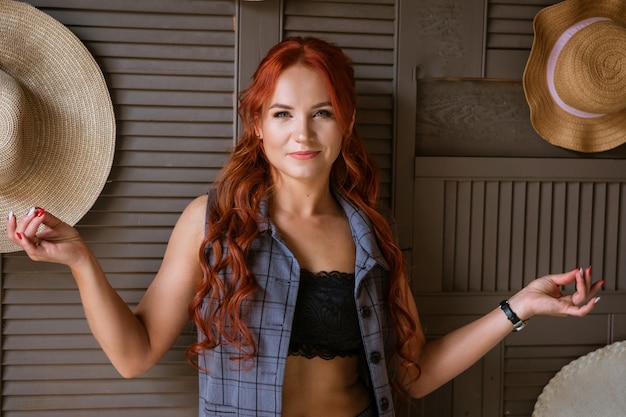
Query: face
x: 301, y: 137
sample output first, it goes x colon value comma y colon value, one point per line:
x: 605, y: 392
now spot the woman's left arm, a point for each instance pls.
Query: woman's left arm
x: 443, y: 359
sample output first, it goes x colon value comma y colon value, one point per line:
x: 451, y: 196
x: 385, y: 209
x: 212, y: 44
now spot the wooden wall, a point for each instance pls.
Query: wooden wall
x: 170, y: 68
x: 494, y: 206
x: 483, y: 203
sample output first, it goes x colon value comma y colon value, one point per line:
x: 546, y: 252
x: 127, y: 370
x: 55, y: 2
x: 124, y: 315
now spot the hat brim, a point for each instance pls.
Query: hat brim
x: 71, y: 150
x: 592, y: 385
x: 551, y: 122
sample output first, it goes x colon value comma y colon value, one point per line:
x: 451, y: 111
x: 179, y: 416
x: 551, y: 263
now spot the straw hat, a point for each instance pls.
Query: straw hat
x: 593, y: 385
x: 57, y: 126
x: 575, y: 77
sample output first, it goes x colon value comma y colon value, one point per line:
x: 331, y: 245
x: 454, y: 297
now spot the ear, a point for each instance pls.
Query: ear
x: 257, y: 130
x: 352, y: 121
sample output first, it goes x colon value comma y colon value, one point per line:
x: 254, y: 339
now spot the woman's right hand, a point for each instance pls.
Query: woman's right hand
x: 45, y: 237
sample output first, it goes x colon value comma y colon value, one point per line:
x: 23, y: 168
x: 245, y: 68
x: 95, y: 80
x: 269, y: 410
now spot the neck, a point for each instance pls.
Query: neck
x: 302, y: 201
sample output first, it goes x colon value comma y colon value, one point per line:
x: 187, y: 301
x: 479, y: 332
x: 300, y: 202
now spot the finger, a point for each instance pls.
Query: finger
x: 35, y: 215
x: 582, y: 310
x: 23, y: 222
x: 583, y: 278
x: 51, y: 224
x: 597, y: 286
x: 29, y: 244
x: 565, y: 278
x: 582, y: 287
x: 594, y: 287
x: 16, y: 229
x: 11, y: 228
x: 589, y: 288
x: 27, y: 229
x: 11, y: 222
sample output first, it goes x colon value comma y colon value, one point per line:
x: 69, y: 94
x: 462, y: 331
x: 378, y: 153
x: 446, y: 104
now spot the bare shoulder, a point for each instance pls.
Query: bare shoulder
x: 197, y: 206
x: 195, y: 211
x: 189, y: 229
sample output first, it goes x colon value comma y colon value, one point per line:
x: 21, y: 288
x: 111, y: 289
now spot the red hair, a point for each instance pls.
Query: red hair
x: 246, y: 180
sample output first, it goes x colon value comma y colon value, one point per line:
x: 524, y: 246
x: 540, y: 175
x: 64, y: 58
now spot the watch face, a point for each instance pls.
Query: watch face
x: 519, y: 326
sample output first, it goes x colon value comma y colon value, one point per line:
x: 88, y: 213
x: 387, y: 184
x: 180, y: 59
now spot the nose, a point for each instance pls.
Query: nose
x: 303, y: 131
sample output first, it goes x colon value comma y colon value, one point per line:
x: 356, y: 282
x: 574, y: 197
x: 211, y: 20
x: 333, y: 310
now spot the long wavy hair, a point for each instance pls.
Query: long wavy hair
x: 246, y: 181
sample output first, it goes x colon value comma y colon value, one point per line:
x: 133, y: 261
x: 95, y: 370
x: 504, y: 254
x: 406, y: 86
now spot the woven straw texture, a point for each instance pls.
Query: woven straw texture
x: 57, y: 125
x: 593, y: 385
x: 590, y: 75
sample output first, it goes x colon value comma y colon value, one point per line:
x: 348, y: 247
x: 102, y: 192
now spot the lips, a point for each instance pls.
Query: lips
x: 304, y: 155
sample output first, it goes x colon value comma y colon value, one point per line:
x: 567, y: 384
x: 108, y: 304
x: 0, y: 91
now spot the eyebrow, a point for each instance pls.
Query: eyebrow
x: 285, y: 106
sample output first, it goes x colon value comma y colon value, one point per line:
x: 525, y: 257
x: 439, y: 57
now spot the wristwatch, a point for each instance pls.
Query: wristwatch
x: 518, y: 324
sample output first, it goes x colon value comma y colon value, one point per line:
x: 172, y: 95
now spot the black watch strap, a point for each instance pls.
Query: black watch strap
x: 518, y: 324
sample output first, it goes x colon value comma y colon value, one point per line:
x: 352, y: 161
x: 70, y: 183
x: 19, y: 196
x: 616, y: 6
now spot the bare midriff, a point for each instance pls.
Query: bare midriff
x: 319, y: 387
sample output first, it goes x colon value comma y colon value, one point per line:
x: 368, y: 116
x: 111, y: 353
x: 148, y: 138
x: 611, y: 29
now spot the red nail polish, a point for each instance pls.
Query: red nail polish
x: 40, y: 212
x: 19, y: 235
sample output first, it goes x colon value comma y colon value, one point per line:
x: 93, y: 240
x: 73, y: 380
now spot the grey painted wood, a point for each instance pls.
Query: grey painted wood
x: 550, y: 215
x: 485, y: 227
x: 170, y: 68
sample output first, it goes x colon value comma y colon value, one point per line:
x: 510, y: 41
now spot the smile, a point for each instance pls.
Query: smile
x: 304, y: 155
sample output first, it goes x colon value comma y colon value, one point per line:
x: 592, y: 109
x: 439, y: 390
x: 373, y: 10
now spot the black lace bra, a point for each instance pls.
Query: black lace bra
x: 325, y: 322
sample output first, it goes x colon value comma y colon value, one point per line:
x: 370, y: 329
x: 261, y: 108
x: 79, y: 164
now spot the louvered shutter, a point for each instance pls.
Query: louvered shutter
x: 170, y: 69
x: 365, y: 29
x: 509, y: 36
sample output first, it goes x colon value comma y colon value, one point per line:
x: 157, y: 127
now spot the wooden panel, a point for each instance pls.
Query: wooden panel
x: 482, y: 118
x: 505, y: 221
x: 475, y: 39
x: 259, y: 28
x: 509, y: 36
x: 170, y: 68
x: 487, y: 226
x: 366, y: 32
x: 450, y: 40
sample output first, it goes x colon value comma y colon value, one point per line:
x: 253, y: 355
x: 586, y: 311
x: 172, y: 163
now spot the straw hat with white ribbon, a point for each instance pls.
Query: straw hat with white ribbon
x: 575, y: 77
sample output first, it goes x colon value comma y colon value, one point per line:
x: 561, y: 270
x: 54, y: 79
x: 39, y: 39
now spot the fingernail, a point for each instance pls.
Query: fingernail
x: 19, y: 235
x: 596, y: 300
x: 581, y: 271
x: 31, y: 211
x: 10, y: 216
x: 40, y: 212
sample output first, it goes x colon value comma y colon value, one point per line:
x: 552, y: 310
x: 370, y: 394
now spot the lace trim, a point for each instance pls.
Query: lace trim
x: 325, y: 322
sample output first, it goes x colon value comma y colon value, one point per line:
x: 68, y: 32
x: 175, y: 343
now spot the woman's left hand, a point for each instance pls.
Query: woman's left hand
x: 543, y: 296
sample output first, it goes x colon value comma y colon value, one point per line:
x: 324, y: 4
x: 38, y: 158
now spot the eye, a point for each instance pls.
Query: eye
x: 323, y: 113
x: 281, y: 114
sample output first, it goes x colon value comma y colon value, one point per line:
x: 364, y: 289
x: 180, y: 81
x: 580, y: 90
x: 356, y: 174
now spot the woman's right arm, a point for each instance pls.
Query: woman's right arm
x: 133, y: 340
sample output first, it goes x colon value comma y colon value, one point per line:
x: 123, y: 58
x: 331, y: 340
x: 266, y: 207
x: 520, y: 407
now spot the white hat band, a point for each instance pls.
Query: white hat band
x: 552, y: 60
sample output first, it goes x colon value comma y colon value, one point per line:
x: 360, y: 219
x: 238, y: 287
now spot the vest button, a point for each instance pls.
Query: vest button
x: 384, y: 404
x: 375, y: 357
x: 366, y: 312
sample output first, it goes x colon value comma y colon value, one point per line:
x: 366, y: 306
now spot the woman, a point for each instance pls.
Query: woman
x: 292, y: 277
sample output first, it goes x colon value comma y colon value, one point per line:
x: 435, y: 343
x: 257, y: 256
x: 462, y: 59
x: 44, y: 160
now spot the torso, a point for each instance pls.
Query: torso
x: 319, y: 387
x: 316, y: 386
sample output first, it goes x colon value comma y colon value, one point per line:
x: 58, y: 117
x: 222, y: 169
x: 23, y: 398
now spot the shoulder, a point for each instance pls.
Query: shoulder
x: 192, y: 220
x: 197, y: 207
